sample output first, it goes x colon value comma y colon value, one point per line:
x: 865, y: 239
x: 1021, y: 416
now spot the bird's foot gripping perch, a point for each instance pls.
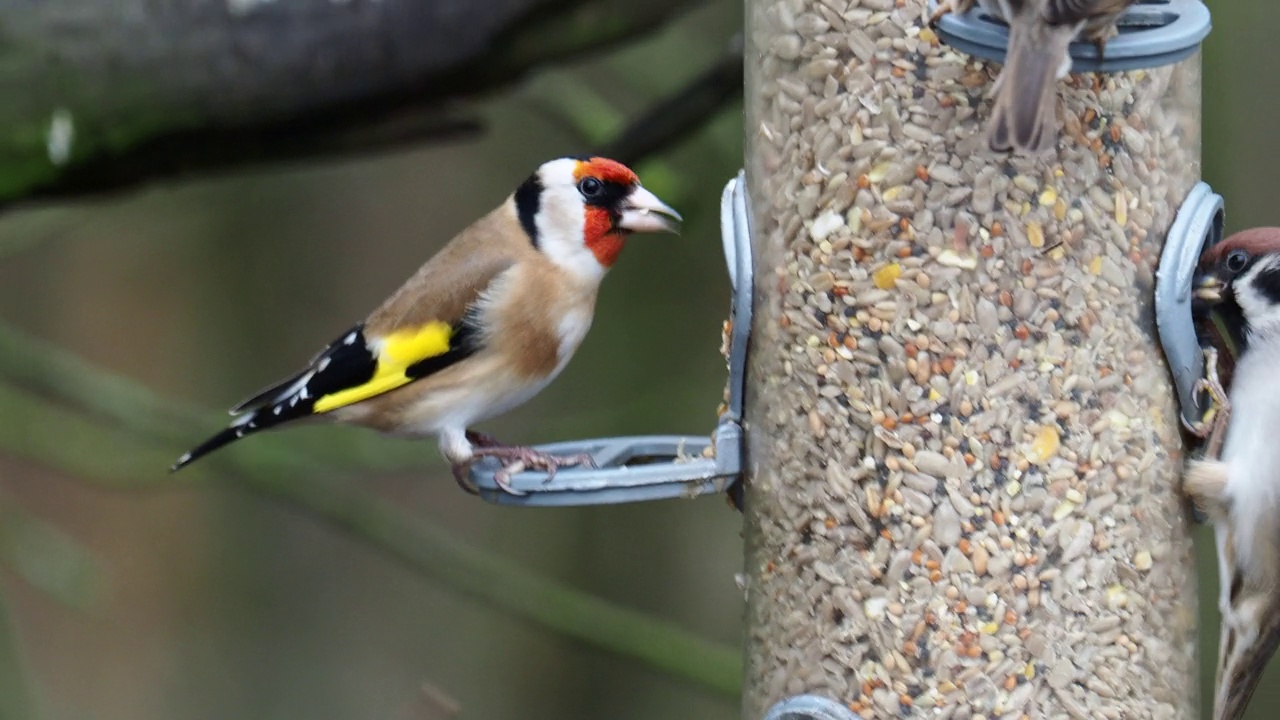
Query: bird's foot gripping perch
x: 518, y: 459
x: 1212, y: 426
x: 1203, y: 480
x: 957, y: 7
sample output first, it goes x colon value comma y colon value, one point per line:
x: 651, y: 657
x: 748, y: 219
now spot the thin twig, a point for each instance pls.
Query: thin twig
x: 36, y: 228
x: 17, y: 699
x: 44, y: 556
x: 417, y: 103
x: 681, y: 113
x: 431, y: 703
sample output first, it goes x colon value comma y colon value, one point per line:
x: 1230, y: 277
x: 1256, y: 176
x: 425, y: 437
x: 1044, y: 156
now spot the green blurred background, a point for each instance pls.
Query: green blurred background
x: 193, y: 598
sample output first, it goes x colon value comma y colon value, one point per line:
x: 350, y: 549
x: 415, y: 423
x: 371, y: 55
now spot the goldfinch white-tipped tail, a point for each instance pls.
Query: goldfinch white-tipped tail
x: 223, y: 437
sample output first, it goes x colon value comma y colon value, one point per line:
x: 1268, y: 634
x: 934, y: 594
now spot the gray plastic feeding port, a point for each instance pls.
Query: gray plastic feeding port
x: 1197, y: 227
x: 655, y: 467
x: 809, y: 707
x: 1152, y: 33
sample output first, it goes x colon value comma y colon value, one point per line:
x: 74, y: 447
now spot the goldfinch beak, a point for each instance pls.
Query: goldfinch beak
x: 1208, y: 288
x: 642, y: 211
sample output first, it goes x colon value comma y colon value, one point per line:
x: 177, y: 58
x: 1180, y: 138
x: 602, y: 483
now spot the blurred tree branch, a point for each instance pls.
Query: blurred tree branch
x: 582, y: 111
x: 116, y: 457
x: 432, y: 703
x: 17, y: 701
x: 682, y: 113
x: 49, y: 560
x: 45, y: 557
x: 103, y: 96
x: 44, y: 366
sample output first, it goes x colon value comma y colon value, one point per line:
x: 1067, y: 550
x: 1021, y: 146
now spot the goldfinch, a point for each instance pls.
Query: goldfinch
x: 1240, y: 278
x: 482, y: 327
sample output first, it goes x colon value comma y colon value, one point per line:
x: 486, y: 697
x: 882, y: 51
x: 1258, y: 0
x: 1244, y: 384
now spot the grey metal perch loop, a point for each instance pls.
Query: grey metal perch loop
x: 655, y: 467
x: 1197, y: 227
x: 1152, y: 33
x: 809, y: 707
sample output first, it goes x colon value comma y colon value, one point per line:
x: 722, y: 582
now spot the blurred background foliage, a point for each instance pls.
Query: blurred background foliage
x: 128, y: 594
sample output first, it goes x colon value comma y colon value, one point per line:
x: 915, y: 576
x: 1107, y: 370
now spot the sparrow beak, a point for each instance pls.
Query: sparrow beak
x: 1208, y: 288
x: 642, y: 211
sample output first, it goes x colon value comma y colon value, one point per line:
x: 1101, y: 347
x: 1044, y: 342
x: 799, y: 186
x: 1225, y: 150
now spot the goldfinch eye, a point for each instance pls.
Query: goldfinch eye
x: 590, y: 188
x: 1237, y: 260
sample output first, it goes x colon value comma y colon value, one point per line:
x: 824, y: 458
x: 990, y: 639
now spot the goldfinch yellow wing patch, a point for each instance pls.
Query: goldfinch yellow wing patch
x: 352, y: 368
x: 395, y: 354
x: 356, y: 367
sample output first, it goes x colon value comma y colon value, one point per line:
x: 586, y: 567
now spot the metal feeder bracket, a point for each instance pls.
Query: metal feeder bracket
x: 655, y: 467
x: 1197, y: 227
x: 1151, y: 33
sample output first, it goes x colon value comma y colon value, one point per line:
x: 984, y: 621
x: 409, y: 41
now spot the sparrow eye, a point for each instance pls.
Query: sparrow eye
x: 590, y: 188
x: 1237, y: 260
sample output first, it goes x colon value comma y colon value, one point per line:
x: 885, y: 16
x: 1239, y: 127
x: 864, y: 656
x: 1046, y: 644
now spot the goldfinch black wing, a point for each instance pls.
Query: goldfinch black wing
x: 430, y: 324
x: 352, y: 368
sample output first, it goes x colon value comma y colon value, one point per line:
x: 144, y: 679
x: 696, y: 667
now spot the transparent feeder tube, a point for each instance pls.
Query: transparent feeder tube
x: 963, y: 441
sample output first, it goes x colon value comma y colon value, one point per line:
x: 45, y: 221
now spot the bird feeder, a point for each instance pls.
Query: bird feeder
x: 963, y: 436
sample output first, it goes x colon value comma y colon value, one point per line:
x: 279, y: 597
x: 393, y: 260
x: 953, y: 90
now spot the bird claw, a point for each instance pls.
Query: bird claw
x: 526, y: 458
x: 461, y: 472
x: 1202, y: 427
x: 956, y: 7
x: 1212, y: 425
x: 1100, y: 45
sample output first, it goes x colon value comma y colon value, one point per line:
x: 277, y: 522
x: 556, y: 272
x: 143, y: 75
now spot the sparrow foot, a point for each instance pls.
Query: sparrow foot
x: 1211, y: 427
x: 957, y: 7
x: 520, y: 459
x: 1204, y: 425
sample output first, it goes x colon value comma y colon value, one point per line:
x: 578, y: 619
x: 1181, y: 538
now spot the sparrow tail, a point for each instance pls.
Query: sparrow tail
x: 1250, y: 635
x: 1024, y: 113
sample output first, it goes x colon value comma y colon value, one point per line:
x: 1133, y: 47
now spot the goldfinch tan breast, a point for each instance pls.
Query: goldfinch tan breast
x: 482, y: 327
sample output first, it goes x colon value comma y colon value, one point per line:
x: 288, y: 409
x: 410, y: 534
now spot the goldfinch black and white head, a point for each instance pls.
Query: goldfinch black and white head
x: 482, y: 327
x: 579, y: 212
